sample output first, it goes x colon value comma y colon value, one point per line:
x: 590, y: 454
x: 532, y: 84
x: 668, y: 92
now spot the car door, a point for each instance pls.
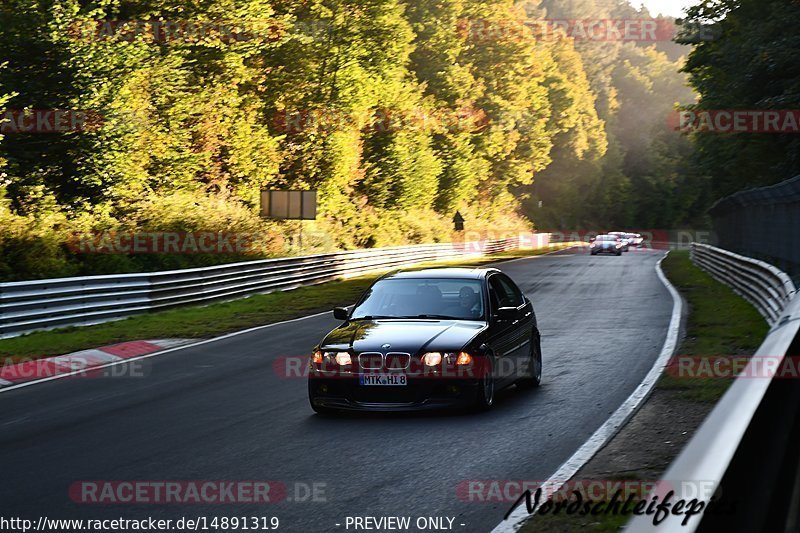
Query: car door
x: 520, y: 332
x: 522, y: 335
x: 503, y: 337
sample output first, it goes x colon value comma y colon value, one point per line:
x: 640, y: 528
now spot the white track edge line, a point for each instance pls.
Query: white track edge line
x: 611, y: 426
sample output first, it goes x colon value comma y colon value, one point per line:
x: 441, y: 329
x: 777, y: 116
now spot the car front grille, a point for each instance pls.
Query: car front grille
x: 370, y: 361
x: 392, y: 361
x: 397, y: 361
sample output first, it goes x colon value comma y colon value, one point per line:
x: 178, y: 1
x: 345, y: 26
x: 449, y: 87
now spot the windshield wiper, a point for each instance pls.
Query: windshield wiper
x: 371, y: 317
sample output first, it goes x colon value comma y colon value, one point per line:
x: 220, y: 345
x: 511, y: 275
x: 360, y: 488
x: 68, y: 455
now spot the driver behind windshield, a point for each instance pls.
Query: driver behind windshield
x: 469, y: 304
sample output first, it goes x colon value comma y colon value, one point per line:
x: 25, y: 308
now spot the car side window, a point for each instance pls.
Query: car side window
x: 499, y: 293
x: 510, y: 295
x: 494, y: 294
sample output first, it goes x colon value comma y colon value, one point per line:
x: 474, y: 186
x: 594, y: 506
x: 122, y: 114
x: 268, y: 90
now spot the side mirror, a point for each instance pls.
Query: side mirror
x: 507, y: 314
x: 341, y: 313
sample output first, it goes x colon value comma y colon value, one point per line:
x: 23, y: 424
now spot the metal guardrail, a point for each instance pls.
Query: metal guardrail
x: 45, y: 304
x: 744, y: 454
x: 760, y: 283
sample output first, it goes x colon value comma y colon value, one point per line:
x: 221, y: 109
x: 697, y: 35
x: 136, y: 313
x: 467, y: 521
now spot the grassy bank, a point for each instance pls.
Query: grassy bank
x: 215, y: 319
x: 721, y: 323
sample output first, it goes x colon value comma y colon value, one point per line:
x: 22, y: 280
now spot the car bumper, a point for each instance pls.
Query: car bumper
x: 418, y: 395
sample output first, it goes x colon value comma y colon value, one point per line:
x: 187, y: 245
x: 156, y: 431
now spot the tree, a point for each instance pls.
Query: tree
x: 750, y: 64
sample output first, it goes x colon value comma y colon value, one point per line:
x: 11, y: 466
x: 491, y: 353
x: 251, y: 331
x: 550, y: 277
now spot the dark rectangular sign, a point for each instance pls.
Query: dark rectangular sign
x: 289, y: 205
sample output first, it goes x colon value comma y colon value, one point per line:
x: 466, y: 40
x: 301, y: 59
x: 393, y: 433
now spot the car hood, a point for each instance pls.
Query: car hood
x: 409, y: 336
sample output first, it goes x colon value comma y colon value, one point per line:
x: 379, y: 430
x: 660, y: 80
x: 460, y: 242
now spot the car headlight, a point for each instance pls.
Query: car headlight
x: 464, y: 359
x: 343, y: 359
x: 432, y: 359
x: 436, y: 358
x: 340, y: 358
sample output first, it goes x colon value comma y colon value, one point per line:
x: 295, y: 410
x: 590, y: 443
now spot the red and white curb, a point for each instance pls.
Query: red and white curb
x: 83, y: 360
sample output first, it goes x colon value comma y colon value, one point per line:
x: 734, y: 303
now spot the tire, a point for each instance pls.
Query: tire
x: 534, y: 378
x: 486, y: 390
x: 619, y: 254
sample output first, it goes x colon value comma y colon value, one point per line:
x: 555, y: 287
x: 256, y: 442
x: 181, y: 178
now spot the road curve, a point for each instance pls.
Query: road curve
x: 218, y: 411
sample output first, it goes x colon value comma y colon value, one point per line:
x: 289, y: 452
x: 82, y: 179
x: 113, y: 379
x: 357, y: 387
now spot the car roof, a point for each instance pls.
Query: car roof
x: 444, y: 272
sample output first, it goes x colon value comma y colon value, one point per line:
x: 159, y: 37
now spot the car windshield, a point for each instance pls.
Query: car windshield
x: 422, y: 298
x: 607, y: 238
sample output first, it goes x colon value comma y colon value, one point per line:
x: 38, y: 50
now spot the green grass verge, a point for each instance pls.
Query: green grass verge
x: 214, y: 319
x: 721, y: 323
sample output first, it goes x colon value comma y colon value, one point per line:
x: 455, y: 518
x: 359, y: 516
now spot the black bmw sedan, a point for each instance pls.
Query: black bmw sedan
x: 428, y: 339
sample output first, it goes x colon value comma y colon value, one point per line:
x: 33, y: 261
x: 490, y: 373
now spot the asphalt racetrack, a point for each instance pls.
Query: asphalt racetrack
x: 220, y: 411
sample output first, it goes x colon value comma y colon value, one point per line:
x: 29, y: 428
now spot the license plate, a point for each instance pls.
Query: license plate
x: 384, y: 380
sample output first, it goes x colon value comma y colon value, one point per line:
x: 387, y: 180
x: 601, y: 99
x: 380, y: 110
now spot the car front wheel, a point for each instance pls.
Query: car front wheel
x: 534, y: 377
x: 485, y: 398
